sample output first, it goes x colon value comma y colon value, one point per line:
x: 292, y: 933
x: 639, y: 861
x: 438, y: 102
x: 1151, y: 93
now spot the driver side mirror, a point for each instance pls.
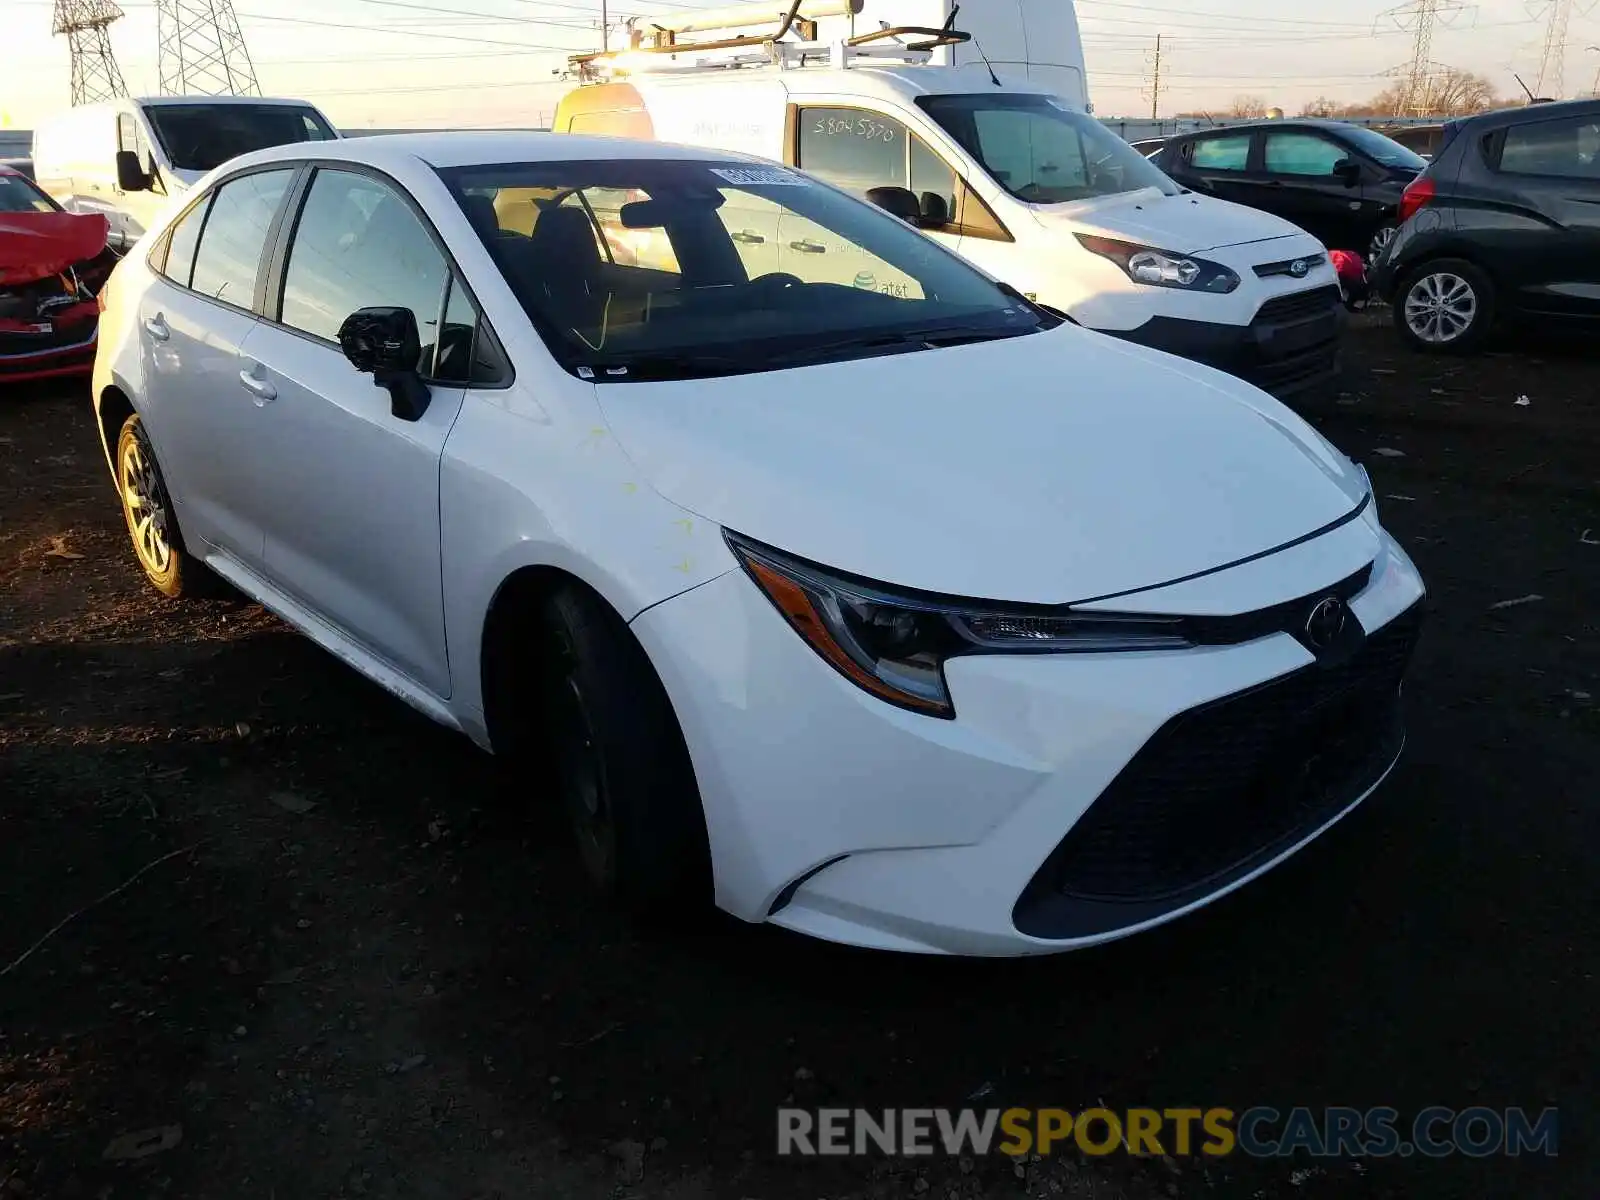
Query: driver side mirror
x: 384, y: 343
x: 131, y: 176
x: 1348, y: 170
x: 898, y: 202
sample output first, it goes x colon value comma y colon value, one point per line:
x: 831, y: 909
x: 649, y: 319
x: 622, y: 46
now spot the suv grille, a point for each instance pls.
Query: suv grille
x: 1222, y: 787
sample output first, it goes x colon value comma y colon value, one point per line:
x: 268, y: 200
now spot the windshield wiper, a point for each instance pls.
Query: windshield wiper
x: 911, y: 339
x: 669, y: 365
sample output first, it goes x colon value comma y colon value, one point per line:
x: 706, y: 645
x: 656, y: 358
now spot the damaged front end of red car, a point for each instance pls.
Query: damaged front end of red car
x: 52, y: 265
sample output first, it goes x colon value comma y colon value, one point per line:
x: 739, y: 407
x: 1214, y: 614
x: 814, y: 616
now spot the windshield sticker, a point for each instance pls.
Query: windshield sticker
x: 760, y: 177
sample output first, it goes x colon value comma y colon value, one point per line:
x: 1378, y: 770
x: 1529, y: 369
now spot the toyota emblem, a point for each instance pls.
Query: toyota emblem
x: 1325, y: 623
x: 1299, y: 268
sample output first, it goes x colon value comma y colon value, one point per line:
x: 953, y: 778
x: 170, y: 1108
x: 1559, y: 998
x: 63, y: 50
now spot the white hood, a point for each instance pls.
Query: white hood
x: 1048, y: 468
x: 1184, y: 224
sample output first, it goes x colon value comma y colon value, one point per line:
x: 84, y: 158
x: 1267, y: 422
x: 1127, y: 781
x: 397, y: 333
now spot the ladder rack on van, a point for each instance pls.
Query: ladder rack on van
x: 658, y: 35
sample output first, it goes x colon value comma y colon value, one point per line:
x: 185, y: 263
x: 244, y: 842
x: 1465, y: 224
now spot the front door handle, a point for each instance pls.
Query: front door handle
x: 259, y: 388
x: 748, y: 238
x: 156, y: 327
x: 808, y: 247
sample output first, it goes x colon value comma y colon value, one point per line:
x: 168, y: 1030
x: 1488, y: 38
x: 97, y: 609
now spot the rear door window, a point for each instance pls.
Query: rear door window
x: 1565, y: 149
x: 182, y: 243
x: 1302, y: 154
x: 1222, y: 153
x: 229, y: 258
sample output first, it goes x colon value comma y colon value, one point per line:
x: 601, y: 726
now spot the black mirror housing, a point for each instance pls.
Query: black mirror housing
x: 1349, y: 170
x: 131, y: 176
x: 935, y: 211
x: 897, y: 202
x: 385, y: 343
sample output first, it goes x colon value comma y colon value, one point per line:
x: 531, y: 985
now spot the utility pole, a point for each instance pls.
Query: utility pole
x: 1155, y: 84
x: 605, y: 28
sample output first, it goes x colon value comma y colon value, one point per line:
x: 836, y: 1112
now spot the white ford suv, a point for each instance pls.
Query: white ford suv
x: 918, y: 620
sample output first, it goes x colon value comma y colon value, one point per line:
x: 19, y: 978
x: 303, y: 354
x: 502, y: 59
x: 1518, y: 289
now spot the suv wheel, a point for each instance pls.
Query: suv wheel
x: 1445, y: 306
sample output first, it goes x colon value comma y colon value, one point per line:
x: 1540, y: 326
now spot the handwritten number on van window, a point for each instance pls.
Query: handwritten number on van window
x: 861, y: 127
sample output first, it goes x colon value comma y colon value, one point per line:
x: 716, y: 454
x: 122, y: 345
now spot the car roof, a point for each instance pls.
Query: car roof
x: 462, y: 149
x: 163, y: 101
x: 1552, y: 111
x: 1280, y: 123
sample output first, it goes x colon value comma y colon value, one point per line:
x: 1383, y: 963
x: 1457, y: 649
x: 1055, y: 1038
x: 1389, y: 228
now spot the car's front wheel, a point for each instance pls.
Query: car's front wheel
x: 152, y: 525
x: 1445, y: 306
x: 624, y: 772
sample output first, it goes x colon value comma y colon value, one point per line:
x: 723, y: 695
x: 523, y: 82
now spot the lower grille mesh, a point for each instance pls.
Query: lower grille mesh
x: 1228, y: 784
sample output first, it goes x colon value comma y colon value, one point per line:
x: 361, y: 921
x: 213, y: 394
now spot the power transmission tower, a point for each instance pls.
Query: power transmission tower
x: 1419, y: 18
x: 1553, y: 61
x: 201, y: 51
x: 95, y: 74
x: 1155, y: 82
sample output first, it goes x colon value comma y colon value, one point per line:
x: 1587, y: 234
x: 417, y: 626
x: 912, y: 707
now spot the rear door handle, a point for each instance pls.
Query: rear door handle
x: 259, y: 388
x: 156, y: 327
x: 808, y: 247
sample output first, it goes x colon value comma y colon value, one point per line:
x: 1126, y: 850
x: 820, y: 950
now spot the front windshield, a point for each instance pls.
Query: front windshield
x: 1042, y: 151
x: 17, y: 195
x: 1383, y: 149
x: 660, y: 268
x: 198, y: 137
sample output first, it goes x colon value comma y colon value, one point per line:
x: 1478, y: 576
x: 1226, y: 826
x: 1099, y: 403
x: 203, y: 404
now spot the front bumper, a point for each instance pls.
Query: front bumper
x: 1001, y: 832
x: 1291, y: 346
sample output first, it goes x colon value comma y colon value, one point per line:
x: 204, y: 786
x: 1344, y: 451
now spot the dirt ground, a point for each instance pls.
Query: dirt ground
x: 363, y: 963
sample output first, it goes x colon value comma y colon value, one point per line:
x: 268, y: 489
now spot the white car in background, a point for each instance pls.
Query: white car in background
x: 922, y: 621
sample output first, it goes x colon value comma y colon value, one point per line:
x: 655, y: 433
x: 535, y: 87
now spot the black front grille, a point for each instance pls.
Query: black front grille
x: 1298, y: 306
x: 1223, y: 787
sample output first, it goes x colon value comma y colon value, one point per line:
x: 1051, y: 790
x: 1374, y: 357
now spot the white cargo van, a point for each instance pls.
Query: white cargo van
x: 980, y: 136
x: 126, y: 158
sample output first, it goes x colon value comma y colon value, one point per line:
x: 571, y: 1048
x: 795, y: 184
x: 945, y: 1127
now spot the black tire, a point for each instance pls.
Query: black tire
x: 152, y: 523
x: 1445, y: 306
x: 625, y: 777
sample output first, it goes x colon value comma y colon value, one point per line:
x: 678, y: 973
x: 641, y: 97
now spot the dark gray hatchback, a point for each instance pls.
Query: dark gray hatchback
x: 1504, y: 224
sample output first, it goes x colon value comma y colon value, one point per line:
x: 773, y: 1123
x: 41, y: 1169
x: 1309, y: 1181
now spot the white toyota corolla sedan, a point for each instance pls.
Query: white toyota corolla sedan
x: 828, y: 576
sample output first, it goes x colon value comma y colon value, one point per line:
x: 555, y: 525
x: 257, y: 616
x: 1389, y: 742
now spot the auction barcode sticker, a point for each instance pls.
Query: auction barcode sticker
x: 760, y: 177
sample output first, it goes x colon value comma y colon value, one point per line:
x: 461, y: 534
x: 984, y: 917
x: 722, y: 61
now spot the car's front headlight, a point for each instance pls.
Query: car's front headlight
x: 1158, y: 268
x: 894, y: 643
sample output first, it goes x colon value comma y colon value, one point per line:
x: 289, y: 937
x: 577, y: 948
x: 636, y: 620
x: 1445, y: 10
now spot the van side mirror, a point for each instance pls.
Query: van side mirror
x: 897, y: 202
x: 384, y: 343
x: 131, y: 176
x: 1348, y: 170
x: 935, y: 211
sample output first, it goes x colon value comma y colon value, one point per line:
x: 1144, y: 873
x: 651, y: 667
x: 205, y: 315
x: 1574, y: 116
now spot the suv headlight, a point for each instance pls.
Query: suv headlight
x: 1158, y: 268
x: 894, y: 643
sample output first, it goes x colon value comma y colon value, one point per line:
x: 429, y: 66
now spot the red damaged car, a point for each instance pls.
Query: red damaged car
x: 52, y: 264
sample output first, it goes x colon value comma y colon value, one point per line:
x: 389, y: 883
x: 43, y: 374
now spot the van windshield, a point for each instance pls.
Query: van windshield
x: 198, y: 137
x: 654, y: 269
x: 1040, y: 150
